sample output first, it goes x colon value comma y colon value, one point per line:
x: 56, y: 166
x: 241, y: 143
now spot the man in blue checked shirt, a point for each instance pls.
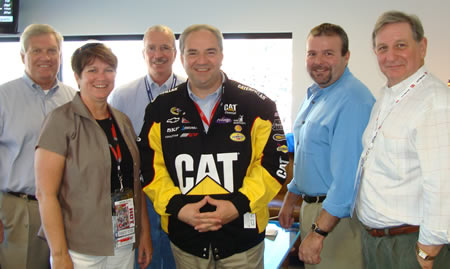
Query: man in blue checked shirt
x: 327, y: 135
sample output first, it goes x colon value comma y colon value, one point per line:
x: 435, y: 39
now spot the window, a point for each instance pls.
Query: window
x: 261, y: 61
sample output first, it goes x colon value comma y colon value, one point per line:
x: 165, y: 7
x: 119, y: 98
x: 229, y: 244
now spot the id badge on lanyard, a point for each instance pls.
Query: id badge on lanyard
x: 124, y: 218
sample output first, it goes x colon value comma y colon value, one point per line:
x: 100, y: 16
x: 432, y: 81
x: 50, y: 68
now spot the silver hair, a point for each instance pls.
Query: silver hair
x: 162, y: 29
x: 35, y: 30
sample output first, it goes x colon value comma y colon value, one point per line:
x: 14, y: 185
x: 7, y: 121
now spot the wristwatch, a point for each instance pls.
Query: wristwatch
x: 316, y: 229
x: 423, y: 255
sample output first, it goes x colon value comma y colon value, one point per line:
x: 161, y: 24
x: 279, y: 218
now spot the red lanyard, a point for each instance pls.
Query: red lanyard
x: 202, y: 115
x: 116, y: 151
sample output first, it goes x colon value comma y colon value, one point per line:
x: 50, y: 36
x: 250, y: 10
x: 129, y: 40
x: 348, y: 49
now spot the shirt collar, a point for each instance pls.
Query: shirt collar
x: 399, y: 87
x: 315, y: 88
x: 166, y: 85
x: 213, y: 95
x: 36, y: 86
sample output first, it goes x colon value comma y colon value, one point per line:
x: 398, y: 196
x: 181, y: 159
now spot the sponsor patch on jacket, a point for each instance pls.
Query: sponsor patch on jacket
x: 175, y: 111
x: 223, y: 120
x: 277, y: 126
x: 184, y: 120
x: 282, y: 148
x: 279, y: 137
x: 230, y: 109
x: 189, y: 135
x: 183, y: 128
x: 172, y: 129
x: 171, y: 136
x: 173, y: 120
x: 237, y: 137
x: 238, y: 128
x: 247, y: 88
x: 239, y: 120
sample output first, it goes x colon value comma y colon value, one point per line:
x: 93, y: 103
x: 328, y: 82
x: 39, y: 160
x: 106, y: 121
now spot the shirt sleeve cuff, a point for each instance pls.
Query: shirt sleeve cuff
x: 338, y: 211
x: 292, y: 187
x: 433, y: 237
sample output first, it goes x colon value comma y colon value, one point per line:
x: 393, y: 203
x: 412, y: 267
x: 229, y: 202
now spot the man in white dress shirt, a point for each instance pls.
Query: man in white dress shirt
x: 404, y: 197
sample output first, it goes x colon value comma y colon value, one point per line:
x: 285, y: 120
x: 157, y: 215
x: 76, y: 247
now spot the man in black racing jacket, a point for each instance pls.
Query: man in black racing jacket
x: 213, y: 156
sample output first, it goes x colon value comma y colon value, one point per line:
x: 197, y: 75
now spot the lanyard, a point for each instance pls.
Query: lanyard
x: 116, y: 151
x: 149, y: 88
x: 203, y: 116
x: 379, y: 124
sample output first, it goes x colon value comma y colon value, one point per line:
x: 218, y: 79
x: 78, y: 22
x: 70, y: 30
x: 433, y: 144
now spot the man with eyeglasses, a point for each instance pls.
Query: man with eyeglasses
x: 159, y: 54
x: 24, y: 103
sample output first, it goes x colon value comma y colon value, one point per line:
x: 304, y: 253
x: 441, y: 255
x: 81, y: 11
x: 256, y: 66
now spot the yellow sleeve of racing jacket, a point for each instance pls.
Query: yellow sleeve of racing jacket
x: 161, y: 188
x: 260, y: 186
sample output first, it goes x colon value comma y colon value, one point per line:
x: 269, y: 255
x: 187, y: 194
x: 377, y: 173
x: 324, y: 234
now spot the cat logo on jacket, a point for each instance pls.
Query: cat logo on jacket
x: 237, y: 137
x: 191, y: 173
x: 230, y: 109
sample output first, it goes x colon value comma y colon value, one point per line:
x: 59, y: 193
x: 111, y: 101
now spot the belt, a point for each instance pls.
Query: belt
x: 313, y: 199
x: 23, y: 195
x: 404, y: 229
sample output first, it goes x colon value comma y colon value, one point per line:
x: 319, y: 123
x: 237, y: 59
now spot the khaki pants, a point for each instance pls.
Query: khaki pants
x: 21, y: 247
x: 342, y: 247
x: 250, y: 259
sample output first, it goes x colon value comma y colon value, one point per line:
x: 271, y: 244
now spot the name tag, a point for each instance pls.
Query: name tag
x: 249, y: 221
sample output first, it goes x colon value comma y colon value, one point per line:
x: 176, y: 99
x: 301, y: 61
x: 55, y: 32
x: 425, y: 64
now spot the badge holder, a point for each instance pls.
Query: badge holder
x: 124, y: 219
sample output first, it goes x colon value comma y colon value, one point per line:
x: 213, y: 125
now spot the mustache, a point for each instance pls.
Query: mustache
x: 160, y: 60
x: 319, y: 66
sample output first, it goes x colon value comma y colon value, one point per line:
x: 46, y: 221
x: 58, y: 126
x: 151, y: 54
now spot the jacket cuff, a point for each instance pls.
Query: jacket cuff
x: 242, y: 203
x: 175, y: 204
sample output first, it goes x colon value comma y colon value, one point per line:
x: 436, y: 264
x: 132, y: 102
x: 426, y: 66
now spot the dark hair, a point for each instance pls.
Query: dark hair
x: 87, y: 53
x: 397, y: 17
x: 329, y: 29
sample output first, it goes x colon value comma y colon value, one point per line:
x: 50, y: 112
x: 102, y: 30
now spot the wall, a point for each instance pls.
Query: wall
x: 357, y: 17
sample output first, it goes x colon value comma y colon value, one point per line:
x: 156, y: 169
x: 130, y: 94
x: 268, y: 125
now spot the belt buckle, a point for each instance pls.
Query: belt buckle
x: 23, y: 196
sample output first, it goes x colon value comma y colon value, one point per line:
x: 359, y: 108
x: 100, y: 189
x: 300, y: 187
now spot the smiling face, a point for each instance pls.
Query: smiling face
x: 96, y: 81
x: 159, y: 54
x: 324, y: 60
x: 202, y: 59
x: 398, y: 54
x: 42, y: 59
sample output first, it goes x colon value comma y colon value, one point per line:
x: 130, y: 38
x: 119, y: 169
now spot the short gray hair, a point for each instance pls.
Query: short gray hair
x: 35, y: 30
x: 162, y: 29
x: 198, y: 27
x: 394, y: 16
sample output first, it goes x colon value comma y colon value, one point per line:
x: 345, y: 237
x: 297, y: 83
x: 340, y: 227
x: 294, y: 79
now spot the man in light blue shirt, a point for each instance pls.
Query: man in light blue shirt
x: 159, y: 54
x: 24, y: 103
x: 327, y: 135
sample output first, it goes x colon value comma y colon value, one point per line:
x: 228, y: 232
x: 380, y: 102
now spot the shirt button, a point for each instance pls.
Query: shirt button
x: 313, y: 102
x: 204, y: 255
x: 204, y: 249
x: 217, y: 257
x: 303, y: 122
x: 216, y: 250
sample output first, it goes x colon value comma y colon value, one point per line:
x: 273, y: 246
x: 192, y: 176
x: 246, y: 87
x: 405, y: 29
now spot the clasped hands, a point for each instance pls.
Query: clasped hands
x: 208, y: 221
